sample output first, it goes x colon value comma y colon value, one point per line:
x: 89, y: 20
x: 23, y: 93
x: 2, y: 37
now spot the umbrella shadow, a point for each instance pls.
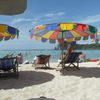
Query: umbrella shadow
x: 84, y: 72
x: 45, y: 68
x: 25, y: 79
x: 41, y: 98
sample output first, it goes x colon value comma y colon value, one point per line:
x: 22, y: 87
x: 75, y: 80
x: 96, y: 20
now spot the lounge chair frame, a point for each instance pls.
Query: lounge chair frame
x: 72, y: 59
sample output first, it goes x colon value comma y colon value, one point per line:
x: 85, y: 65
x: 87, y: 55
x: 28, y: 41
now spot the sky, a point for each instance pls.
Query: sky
x: 49, y: 11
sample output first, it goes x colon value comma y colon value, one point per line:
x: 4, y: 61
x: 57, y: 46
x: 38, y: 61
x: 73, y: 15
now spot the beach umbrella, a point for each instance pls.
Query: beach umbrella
x: 12, y: 7
x: 8, y: 32
x: 98, y: 37
x: 63, y: 32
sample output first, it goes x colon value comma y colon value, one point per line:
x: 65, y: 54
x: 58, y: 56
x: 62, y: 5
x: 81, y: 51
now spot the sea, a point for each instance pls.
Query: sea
x: 28, y: 55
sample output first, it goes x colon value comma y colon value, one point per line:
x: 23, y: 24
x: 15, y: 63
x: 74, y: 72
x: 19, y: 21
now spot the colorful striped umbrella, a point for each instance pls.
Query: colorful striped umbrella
x: 63, y: 31
x: 8, y: 32
x: 67, y: 31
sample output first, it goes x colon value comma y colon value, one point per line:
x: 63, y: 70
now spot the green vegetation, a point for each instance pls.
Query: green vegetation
x: 80, y: 46
x: 87, y: 47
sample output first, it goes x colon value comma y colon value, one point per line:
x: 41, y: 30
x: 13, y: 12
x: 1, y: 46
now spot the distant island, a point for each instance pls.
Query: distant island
x: 80, y: 46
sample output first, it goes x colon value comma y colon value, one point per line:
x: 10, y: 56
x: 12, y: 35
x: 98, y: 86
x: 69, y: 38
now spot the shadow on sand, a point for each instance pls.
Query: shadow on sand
x: 26, y: 78
x: 84, y: 72
x: 41, y: 98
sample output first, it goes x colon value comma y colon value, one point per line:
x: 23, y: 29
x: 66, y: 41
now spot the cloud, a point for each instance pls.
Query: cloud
x: 91, y: 19
x: 17, y: 20
x: 51, y: 17
x: 48, y: 17
x: 54, y: 14
x: 45, y: 18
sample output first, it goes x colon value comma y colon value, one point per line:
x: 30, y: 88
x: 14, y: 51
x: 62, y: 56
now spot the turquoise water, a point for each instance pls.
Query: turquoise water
x: 30, y: 54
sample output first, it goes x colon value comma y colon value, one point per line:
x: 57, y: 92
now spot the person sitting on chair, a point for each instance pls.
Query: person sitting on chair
x: 65, y: 55
x: 69, y: 51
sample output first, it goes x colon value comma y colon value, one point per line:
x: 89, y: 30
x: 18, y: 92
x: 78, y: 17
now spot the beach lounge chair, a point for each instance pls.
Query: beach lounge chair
x: 71, y: 59
x: 42, y: 61
x: 9, y: 65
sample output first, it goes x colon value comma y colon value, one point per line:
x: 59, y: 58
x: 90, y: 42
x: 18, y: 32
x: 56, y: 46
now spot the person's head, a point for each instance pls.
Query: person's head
x: 19, y: 54
x: 69, y: 46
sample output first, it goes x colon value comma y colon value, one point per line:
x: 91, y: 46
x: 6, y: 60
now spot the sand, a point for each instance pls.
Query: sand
x: 71, y: 84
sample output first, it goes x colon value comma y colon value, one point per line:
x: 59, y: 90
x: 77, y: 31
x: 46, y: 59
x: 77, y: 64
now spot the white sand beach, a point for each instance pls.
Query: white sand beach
x: 71, y: 84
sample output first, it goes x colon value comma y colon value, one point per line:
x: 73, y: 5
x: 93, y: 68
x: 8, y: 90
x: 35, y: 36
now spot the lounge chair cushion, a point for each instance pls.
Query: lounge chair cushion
x: 7, y: 63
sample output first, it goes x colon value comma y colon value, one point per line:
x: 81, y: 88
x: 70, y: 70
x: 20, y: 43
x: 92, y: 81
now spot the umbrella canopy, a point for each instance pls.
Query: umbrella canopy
x: 8, y: 32
x: 98, y: 37
x: 12, y: 7
x: 59, y: 31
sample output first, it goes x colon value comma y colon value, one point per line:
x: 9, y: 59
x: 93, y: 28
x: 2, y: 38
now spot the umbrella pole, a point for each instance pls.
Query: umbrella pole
x: 62, y: 50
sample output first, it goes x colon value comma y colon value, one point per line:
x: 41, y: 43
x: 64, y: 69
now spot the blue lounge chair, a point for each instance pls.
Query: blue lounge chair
x: 9, y: 64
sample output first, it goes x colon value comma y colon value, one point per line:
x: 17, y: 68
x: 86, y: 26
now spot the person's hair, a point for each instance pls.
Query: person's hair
x: 69, y: 45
